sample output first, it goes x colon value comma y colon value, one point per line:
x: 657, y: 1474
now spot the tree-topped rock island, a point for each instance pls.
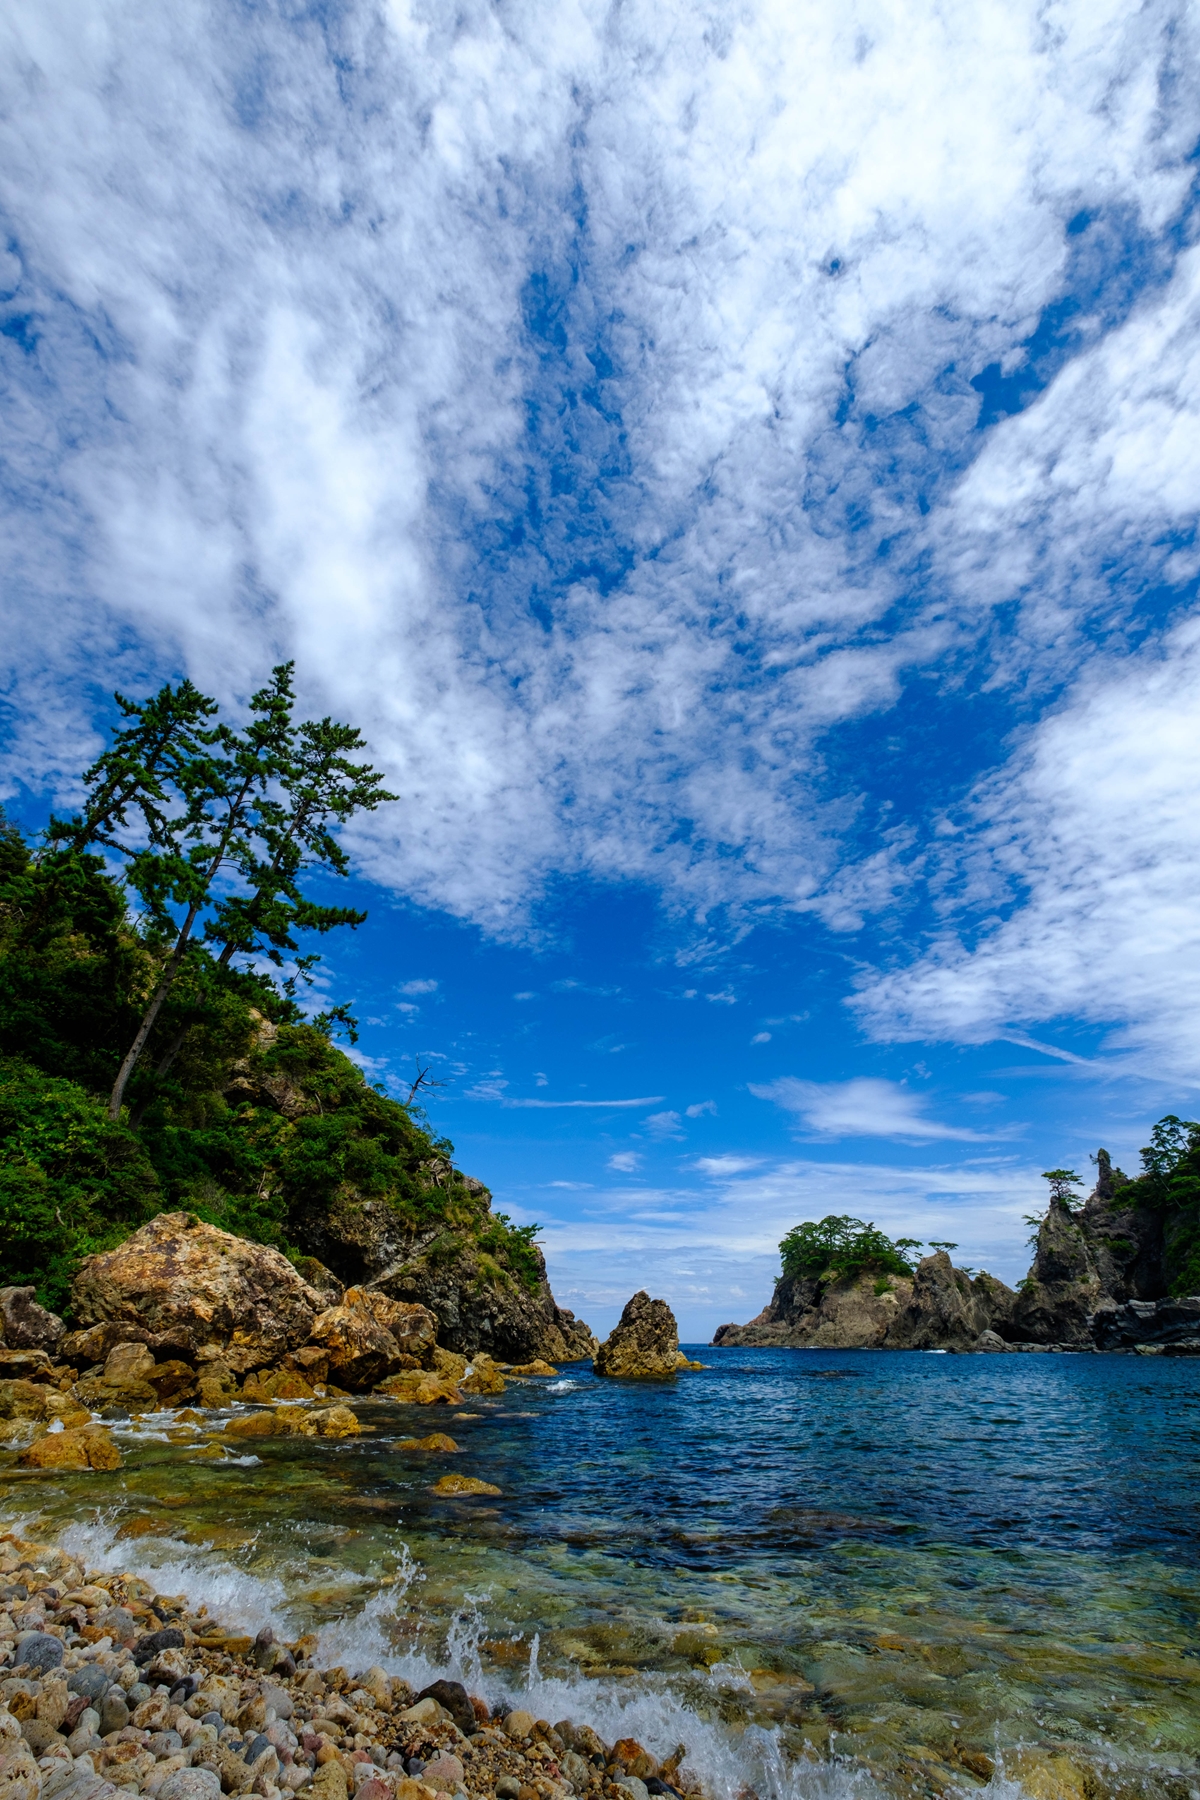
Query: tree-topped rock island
x: 1117, y: 1271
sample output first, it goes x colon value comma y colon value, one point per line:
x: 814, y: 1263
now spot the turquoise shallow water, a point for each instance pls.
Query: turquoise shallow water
x: 927, y: 1573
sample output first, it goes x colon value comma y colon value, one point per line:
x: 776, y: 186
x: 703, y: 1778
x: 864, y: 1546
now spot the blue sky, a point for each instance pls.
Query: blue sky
x: 739, y: 467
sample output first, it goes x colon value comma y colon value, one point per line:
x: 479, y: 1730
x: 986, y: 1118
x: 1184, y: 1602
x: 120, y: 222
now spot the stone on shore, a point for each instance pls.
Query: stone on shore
x: 187, y: 1285
x: 644, y: 1345
x: 24, y: 1324
x: 437, y: 1440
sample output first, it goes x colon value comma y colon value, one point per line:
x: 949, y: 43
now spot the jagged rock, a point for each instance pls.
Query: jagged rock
x: 477, y: 1304
x: 1173, y: 1324
x: 321, y: 1278
x: 26, y: 1325
x: 939, y: 1307
x: 643, y: 1345
x: 1106, y: 1254
x: 195, y: 1286
x: 361, y: 1351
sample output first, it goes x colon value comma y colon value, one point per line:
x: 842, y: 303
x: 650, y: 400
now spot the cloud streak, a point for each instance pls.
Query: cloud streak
x: 865, y: 1107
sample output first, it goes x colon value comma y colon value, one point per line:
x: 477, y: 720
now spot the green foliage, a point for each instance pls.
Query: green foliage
x: 515, y: 1245
x: 71, y: 1181
x: 239, y: 1111
x: 883, y: 1286
x: 838, y: 1246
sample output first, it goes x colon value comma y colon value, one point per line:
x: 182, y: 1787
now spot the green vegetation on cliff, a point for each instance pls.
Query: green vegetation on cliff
x: 838, y: 1246
x: 236, y: 1108
x: 1169, y: 1186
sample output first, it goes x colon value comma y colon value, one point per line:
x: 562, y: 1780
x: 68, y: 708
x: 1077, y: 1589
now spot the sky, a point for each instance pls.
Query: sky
x: 738, y: 465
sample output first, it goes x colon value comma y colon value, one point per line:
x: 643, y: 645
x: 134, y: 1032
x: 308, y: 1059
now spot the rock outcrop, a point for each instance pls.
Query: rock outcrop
x: 477, y: 1302
x: 1171, y: 1326
x: 1104, y: 1255
x: 643, y: 1345
x: 938, y: 1308
x: 24, y: 1324
x: 182, y: 1309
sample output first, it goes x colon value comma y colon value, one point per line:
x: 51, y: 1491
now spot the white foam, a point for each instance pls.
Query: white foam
x: 561, y: 1387
x: 727, y: 1759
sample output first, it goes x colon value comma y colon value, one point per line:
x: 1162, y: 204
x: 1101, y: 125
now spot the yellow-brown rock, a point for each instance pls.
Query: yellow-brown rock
x: 87, y: 1447
x: 332, y: 1422
x: 483, y: 1380
x: 33, y: 1400
x: 187, y: 1282
x: 463, y: 1484
x: 421, y: 1387
x: 537, y: 1367
x: 276, y: 1384
x: 448, y: 1363
x: 361, y: 1351
x: 644, y: 1344
x: 437, y: 1440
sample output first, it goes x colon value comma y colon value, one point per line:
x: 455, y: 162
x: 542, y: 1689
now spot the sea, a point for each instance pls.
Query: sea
x: 825, y: 1573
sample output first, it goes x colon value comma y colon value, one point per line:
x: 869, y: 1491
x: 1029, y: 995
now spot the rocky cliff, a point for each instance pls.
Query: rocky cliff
x: 1104, y: 1276
x: 938, y: 1308
x: 460, y: 1266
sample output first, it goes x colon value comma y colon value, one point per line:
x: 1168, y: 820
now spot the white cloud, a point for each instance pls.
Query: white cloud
x: 664, y: 1124
x: 864, y: 1107
x: 761, y: 1037
x: 698, y: 1109
x: 625, y: 1162
x: 644, y: 1100
x: 722, y: 1166
x: 285, y: 283
x: 418, y: 987
x: 1095, y: 828
x: 714, y: 1254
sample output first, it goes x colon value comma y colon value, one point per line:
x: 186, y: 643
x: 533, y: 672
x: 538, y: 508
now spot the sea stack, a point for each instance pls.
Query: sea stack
x: 644, y: 1345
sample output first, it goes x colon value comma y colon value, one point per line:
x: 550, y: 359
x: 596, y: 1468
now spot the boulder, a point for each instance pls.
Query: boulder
x: 189, y: 1284
x: 33, y: 1400
x: 88, y: 1447
x: 644, y: 1345
x: 25, y: 1325
x: 361, y: 1351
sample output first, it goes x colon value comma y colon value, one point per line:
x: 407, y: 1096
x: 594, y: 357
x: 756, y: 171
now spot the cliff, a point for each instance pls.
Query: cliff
x: 1113, y: 1274
x: 938, y: 1307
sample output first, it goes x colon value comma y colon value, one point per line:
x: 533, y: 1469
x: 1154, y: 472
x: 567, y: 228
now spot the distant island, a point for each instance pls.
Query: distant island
x: 1121, y: 1271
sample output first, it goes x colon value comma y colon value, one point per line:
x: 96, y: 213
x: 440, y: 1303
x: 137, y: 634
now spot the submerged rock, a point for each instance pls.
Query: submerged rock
x: 643, y: 1345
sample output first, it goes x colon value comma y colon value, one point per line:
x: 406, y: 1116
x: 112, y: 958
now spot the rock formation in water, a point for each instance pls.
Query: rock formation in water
x: 1101, y: 1278
x: 1102, y: 1255
x: 938, y: 1308
x: 643, y: 1345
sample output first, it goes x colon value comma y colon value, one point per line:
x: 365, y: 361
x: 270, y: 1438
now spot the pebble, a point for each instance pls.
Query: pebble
x: 160, y: 1701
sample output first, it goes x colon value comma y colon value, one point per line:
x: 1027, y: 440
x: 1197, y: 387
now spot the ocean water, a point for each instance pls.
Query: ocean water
x: 826, y: 1573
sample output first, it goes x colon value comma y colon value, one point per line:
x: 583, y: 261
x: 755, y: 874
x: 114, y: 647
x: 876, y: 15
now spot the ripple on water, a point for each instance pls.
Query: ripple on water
x: 945, y: 1573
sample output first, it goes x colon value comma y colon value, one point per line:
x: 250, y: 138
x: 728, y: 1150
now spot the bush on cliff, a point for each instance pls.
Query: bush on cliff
x: 838, y: 1246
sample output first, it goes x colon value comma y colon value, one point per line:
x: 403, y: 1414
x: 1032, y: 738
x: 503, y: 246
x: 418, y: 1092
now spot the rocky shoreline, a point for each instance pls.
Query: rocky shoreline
x: 1098, y: 1282
x: 109, y: 1689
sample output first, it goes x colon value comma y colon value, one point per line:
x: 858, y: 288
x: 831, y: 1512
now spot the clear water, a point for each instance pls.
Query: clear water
x: 819, y: 1570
